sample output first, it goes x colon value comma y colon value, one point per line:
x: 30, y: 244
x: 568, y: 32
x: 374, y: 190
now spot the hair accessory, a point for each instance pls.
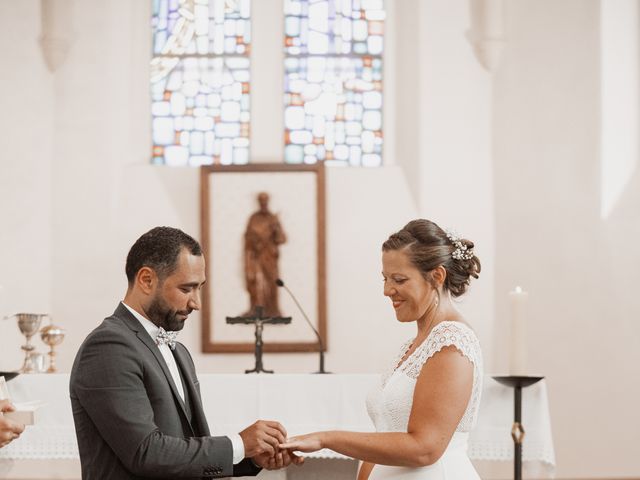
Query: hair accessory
x: 461, y: 251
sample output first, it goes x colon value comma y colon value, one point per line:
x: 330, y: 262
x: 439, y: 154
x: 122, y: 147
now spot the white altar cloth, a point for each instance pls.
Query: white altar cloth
x: 302, y: 403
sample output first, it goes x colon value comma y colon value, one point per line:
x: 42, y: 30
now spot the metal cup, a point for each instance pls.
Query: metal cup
x: 52, y: 336
x: 29, y: 324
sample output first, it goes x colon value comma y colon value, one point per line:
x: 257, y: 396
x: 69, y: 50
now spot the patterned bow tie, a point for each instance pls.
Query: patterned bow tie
x: 166, y: 338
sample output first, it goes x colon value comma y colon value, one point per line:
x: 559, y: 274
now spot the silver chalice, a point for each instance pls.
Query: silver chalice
x: 29, y: 324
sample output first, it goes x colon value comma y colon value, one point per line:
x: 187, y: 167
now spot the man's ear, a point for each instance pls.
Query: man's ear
x: 439, y: 275
x: 146, y: 280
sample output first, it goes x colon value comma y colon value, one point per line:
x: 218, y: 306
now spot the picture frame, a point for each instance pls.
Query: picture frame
x: 228, y: 195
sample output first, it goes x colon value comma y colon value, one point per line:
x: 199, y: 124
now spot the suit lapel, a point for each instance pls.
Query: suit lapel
x: 199, y: 420
x: 123, y: 313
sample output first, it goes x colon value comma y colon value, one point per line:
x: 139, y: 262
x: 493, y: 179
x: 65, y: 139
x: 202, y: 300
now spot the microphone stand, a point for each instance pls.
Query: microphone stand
x: 280, y: 283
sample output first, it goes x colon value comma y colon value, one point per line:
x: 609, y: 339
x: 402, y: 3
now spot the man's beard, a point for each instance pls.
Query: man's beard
x: 163, y: 316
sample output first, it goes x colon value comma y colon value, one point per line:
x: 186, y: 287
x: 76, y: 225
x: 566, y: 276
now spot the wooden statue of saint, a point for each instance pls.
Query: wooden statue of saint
x: 262, y: 239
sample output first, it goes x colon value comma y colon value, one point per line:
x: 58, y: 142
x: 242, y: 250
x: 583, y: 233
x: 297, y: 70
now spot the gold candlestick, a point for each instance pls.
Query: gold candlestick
x: 52, y: 336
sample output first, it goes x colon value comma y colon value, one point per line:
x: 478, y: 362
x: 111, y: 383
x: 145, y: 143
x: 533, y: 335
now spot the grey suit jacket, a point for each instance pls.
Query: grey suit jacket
x: 129, y: 419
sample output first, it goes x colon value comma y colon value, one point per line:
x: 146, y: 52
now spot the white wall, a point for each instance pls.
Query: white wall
x: 579, y: 270
x: 26, y: 131
x: 454, y: 138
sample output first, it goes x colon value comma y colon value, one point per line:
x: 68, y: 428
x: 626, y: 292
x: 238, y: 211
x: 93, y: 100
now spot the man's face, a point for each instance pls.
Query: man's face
x: 179, y: 293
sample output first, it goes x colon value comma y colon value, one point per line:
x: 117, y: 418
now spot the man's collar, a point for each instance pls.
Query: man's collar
x: 149, y: 326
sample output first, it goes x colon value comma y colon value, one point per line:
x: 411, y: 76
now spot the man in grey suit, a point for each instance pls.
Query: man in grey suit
x: 134, y: 390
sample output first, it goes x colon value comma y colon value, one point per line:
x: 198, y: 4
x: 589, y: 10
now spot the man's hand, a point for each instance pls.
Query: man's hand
x: 264, y: 436
x: 9, y: 430
x: 282, y: 459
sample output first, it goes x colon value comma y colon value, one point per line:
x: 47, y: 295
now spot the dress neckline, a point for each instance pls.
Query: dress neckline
x: 410, y: 342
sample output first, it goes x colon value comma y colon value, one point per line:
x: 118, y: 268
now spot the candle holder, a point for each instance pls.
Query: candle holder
x: 517, y: 382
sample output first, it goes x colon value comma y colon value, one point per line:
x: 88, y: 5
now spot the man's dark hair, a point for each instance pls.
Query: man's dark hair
x: 159, y: 249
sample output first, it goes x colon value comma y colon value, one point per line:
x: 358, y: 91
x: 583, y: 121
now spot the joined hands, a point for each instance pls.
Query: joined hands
x: 262, y: 442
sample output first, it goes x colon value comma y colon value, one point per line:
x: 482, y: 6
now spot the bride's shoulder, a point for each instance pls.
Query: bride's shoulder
x: 458, y: 325
x: 452, y: 332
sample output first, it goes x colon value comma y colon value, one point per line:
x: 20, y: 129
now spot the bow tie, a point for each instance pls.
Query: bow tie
x: 166, y: 338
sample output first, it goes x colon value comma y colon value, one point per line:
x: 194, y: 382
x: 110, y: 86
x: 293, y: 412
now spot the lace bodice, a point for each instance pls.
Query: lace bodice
x: 389, y: 403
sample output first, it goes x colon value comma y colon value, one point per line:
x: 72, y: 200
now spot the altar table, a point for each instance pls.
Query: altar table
x: 302, y: 403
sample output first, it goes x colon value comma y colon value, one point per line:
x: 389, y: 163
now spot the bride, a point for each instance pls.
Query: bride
x: 425, y: 405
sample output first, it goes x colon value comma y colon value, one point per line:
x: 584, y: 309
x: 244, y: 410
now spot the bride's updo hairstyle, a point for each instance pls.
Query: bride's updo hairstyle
x: 429, y: 246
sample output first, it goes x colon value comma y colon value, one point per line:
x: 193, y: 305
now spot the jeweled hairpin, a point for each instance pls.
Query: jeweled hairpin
x: 461, y: 251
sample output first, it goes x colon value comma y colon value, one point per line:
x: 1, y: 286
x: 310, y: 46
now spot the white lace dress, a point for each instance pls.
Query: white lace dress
x: 389, y: 404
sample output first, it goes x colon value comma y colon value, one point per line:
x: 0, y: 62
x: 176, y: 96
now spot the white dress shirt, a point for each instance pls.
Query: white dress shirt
x: 152, y: 329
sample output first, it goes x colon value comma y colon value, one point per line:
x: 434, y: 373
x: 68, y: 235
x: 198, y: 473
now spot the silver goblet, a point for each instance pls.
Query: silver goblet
x: 29, y: 324
x: 52, y: 336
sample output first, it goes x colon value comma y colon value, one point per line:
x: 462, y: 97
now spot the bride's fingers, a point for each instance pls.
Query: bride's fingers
x: 290, y: 445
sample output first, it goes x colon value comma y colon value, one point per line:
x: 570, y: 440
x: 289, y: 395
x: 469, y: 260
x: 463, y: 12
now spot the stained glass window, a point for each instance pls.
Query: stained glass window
x: 333, y: 81
x: 200, y: 82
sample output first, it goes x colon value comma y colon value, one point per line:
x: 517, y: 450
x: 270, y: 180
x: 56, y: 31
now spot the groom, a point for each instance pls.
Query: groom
x: 134, y: 390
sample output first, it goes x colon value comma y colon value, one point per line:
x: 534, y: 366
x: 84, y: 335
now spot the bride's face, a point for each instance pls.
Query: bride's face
x: 409, y: 292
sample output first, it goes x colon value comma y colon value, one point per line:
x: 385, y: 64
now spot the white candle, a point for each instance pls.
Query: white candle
x: 518, y: 324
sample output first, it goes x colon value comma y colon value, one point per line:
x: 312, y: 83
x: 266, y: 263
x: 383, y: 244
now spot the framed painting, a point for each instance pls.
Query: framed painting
x: 262, y: 223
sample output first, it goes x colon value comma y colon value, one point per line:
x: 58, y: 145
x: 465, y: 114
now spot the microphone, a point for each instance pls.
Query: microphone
x: 280, y: 283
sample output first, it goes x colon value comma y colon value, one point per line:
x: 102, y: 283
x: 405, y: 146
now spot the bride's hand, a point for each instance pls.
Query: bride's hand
x: 311, y: 442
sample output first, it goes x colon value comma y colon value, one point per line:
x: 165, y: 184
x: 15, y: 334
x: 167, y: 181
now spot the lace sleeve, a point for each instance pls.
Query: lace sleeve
x: 444, y: 334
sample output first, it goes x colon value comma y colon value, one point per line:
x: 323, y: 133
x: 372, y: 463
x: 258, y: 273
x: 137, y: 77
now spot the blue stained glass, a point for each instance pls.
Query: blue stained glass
x: 333, y: 81
x: 190, y: 28
x: 292, y: 26
x: 176, y: 156
x: 329, y: 103
x: 293, y: 153
x: 163, y: 131
x: 197, y: 118
x: 330, y: 27
x: 200, y: 81
x: 241, y: 156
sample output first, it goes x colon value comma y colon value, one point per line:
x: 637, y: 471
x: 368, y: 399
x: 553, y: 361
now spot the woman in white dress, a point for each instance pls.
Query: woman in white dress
x: 426, y: 404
